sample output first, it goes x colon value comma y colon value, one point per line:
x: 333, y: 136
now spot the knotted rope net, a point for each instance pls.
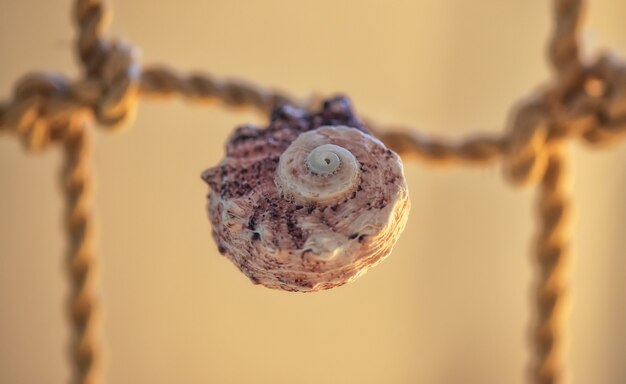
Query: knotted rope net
x: 586, y: 99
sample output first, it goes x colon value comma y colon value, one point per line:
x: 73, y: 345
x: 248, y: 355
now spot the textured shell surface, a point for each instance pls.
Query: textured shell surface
x: 309, y: 203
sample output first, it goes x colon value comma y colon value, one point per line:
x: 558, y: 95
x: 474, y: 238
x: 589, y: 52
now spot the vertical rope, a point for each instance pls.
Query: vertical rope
x: 84, y: 303
x: 552, y: 253
x: 552, y: 258
x: 564, y: 46
x: 92, y: 18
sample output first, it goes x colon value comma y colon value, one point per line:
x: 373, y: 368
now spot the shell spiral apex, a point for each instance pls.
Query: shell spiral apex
x: 309, y: 203
x: 312, y: 170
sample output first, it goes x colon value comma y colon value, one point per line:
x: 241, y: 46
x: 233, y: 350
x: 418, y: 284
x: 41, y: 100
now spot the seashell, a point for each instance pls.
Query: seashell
x: 309, y: 203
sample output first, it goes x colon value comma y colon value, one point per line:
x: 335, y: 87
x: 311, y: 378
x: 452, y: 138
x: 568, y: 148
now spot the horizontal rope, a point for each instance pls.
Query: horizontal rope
x: 44, y: 100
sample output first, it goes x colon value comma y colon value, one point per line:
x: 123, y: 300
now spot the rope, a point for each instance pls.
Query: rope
x: 84, y: 304
x: 92, y: 18
x: 549, y: 161
x: 476, y: 150
x: 552, y: 259
x: 160, y: 81
x: 564, y: 48
x: 585, y: 100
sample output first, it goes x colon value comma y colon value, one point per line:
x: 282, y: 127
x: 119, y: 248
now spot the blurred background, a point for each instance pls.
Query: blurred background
x: 452, y: 303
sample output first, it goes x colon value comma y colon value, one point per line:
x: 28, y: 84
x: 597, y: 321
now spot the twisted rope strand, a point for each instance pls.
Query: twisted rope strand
x: 552, y: 260
x: 564, y: 49
x: 552, y: 247
x: 92, y: 18
x: 474, y: 150
x: 84, y: 303
x: 160, y: 81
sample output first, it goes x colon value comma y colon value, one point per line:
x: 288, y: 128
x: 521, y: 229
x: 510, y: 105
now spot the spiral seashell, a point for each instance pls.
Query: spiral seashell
x: 309, y: 203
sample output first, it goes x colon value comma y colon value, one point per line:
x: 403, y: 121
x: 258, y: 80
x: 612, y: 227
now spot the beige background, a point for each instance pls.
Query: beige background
x: 451, y: 305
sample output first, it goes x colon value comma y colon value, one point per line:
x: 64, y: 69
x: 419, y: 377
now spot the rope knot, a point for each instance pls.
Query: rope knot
x: 526, y: 159
x: 609, y: 73
x: 118, y: 77
x: 40, y: 110
x: 612, y: 73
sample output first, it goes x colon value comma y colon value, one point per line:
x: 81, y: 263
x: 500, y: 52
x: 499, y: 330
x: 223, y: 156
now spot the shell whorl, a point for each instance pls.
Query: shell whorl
x: 325, y: 159
x: 309, y: 203
x: 314, y: 170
